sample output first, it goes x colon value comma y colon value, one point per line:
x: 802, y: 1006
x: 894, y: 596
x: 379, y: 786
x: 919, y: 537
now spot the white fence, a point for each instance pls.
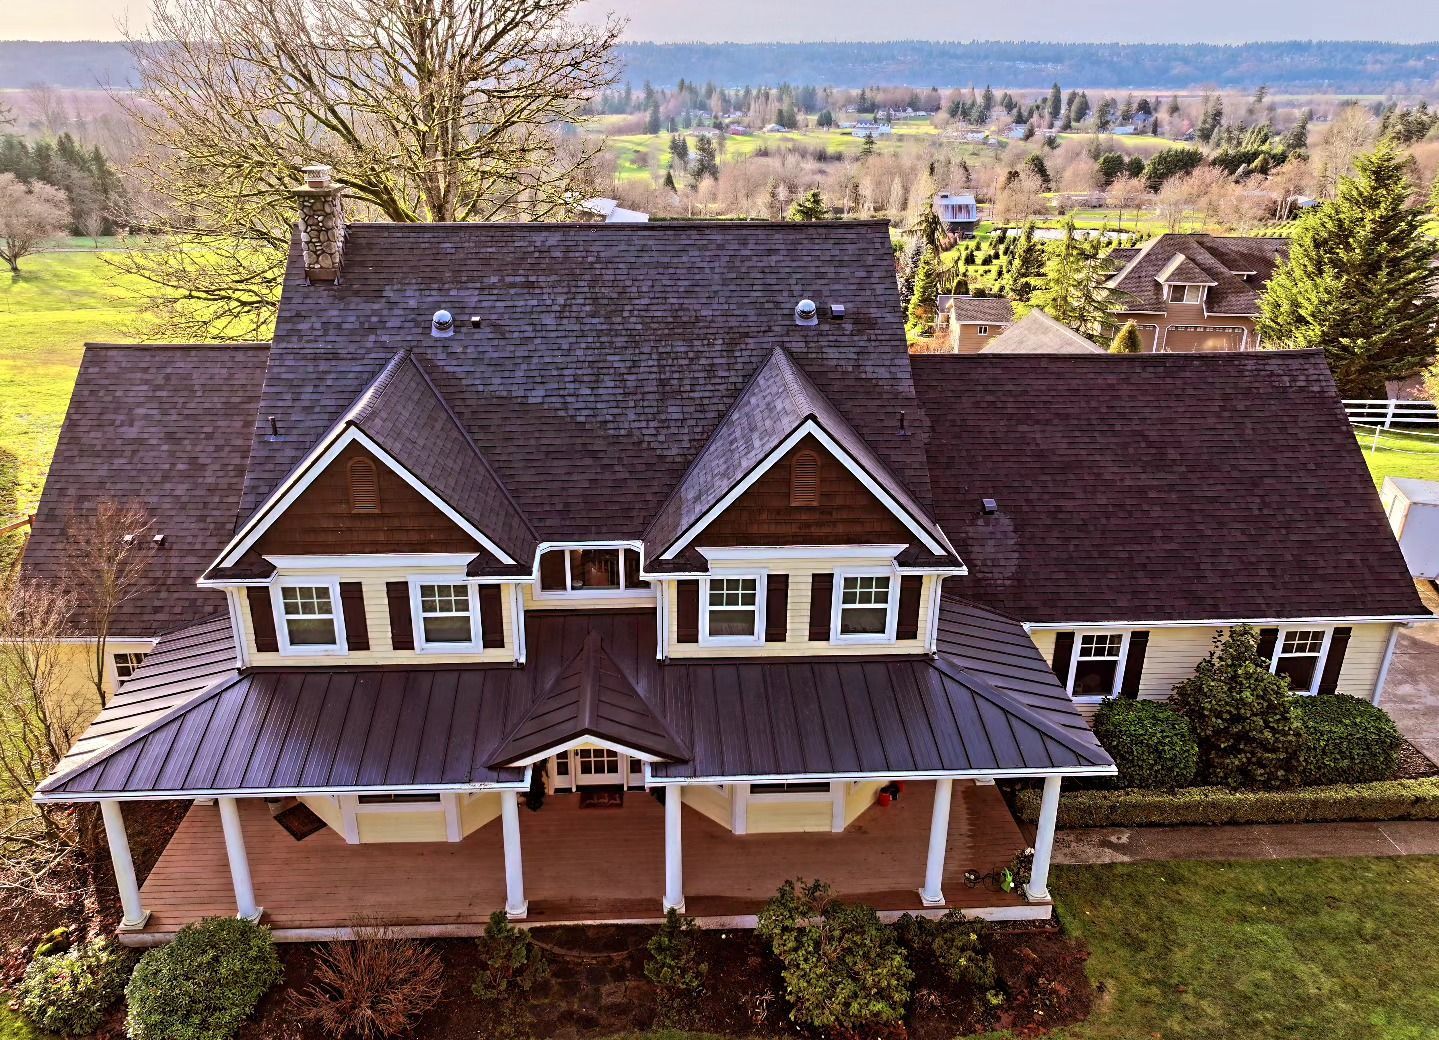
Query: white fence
x: 1385, y: 414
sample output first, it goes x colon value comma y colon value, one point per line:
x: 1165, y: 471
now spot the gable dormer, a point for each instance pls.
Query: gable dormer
x: 1182, y: 281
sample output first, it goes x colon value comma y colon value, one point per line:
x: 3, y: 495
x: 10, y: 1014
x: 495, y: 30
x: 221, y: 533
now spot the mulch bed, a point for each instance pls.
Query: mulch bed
x: 1413, y: 763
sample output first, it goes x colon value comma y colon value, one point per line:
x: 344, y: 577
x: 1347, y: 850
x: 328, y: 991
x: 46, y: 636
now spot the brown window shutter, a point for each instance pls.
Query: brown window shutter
x: 776, y: 608
x: 492, y: 616
x: 804, y: 479
x: 402, y: 623
x: 821, y: 603
x: 1334, y: 663
x: 907, y: 625
x: 262, y: 619
x: 1268, y: 639
x: 364, y: 486
x: 1063, y: 651
x: 352, y: 605
x: 687, y: 611
x: 1134, y: 664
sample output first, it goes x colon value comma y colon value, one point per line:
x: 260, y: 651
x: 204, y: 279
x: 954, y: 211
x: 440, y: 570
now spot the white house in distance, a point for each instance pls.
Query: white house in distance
x: 957, y: 211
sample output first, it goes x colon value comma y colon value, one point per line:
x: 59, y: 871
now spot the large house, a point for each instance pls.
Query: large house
x: 1195, y: 292
x: 957, y: 211
x: 584, y: 571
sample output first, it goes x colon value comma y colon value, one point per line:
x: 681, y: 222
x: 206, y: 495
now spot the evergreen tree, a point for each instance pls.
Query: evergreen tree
x: 931, y: 229
x: 1056, y: 102
x: 925, y: 301
x: 1126, y: 340
x: 868, y: 149
x: 809, y: 206
x: 1359, y: 282
x: 652, y: 124
x: 706, y: 163
x: 1026, y: 268
x: 909, y: 268
x: 1074, y: 291
x: 670, y: 179
x: 825, y: 119
x: 1035, y: 163
x: 680, y: 149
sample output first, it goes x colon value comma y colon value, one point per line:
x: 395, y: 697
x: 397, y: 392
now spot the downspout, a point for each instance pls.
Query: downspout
x: 1388, y: 659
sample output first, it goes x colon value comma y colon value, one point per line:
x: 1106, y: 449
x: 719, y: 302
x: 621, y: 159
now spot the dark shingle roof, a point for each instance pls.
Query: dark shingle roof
x: 604, y: 355
x: 990, y: 310
x: 985, y: 703
x: 1222, y: 261
x: 168, y: 426
x: 1158, y: 487
x: 1038, y: 333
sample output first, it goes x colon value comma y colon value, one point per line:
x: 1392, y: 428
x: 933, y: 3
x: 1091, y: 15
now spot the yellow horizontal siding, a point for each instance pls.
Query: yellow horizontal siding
x: 327, y: 808
x: 713, y: 802
x: 776, y: 817
x: 401, y: 826
x: 859, y: 797
x: 476, y: 810
x: 581, y: 602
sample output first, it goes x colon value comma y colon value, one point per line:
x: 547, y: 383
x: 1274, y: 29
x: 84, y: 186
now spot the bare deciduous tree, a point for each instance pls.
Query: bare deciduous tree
x: 1021, y: 196
x: 107, y: 562
x: 29, y: 214
x: 429, y: 110
x: 1124, y: 192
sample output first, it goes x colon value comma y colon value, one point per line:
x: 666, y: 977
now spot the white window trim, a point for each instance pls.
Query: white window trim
x: 983, y: 330
x: 1318, y: 663
x: 891, y: 622
x: 794, y: 796
x: 623, y: 592
x: 114, y: 668
x: 1118, y: 667
x: 761, y: 580
x: 282, y: 630
x: 417, y: 619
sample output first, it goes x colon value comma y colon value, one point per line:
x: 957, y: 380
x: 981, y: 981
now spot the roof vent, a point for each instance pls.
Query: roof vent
x: 806, y: 313
x: 158, y: 541
x: 836, y: 312
x: 988, y: 506
x: 442, y: 325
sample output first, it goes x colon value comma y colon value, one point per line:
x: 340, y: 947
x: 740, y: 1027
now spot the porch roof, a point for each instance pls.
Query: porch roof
x: 987, y: 703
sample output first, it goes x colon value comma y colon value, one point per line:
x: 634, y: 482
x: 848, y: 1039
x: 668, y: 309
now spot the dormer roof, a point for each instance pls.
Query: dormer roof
x: 1182, y: 271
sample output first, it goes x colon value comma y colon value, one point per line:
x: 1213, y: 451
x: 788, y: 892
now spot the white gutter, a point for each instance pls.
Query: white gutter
x: 918, y: 774
x: 1064, y: 626
x: 1388, y: 659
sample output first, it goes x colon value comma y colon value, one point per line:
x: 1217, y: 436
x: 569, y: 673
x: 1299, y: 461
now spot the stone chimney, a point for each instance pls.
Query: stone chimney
x: 322, y: 224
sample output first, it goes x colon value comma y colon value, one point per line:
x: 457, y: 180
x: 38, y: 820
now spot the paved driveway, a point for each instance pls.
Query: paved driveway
x: 1411, y: 693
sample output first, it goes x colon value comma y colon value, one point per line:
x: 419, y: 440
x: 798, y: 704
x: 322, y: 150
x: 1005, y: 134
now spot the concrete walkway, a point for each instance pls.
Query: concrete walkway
x: 1253, y: 841
x: 1411, y: 692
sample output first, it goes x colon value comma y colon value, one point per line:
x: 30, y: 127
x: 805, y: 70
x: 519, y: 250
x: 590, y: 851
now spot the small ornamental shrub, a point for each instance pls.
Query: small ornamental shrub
x: 1346, y: 741
x: 842, y: 969
x: 1242, y: 716
x: 951, y: 951
x: 510, y: 963
x: 69, y: 993
x: 1150, y: 742
x: 676, y: 967
x: 204, y: 983
x: 373, y: 987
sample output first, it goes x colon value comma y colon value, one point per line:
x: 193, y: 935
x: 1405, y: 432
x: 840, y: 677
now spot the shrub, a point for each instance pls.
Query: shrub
x: 1242, y: 715
x: 1385, y: 800
x: 204, y: 983
x: 952, y: 951
x: 510, y: 963
x: 374, y: 987
x: 69, y: 993
x: 1150, y: 742
x: 675, y: 965
x: 1346, y: 741
x: 841, y: 968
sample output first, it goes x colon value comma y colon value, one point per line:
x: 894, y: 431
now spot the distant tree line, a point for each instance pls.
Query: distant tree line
x: 90, y: 184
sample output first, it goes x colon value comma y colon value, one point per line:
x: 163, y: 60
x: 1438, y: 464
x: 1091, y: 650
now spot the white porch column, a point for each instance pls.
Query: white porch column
x: 674, y: 856
x: 931, y: 894
x: 516, y: 905
x: 1038, y: 887
x: 739, y: 808
x: 135, y: 914
x: 239, y: 861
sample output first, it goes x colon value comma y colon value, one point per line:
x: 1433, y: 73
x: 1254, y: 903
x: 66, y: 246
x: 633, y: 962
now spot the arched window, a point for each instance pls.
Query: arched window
x: 364, y: 487
x: 804, y: 479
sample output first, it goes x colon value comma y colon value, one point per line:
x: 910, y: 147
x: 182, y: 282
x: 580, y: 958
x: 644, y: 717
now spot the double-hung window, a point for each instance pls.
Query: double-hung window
x: 733, y: 610
x: 865, y: 605
x: 309, y: 619
x: 1098, y: 664
x: 447, y: 615
x: 1299, y: 656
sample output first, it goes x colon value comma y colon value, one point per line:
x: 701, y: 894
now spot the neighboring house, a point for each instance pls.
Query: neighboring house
x: 972, y: 322
x: 522, y: 514
x: 957, y: 211
x: 1196, y: 292
x: 1038, y: 333
x: 613, y: 212
x: 872, y: 130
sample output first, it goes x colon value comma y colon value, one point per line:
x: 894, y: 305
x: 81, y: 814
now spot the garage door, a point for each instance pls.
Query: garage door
x: 1185, y: 338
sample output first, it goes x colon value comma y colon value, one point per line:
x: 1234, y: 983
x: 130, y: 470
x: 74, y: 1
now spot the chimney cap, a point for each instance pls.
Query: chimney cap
x: 318, y: 176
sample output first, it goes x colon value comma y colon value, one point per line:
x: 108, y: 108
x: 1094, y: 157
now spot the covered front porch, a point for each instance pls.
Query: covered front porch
x: 582, y: 865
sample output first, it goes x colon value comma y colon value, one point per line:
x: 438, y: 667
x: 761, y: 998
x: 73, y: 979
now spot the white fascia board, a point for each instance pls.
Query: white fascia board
x: 278, y: 792
x: 109, y: 640
x: 920, y: 774
x: 319, y: 459
x: 361, y: 561
x: 884, y: 553
x: 1064, y: 626
x: 807, y: 428
x: 584, y: 741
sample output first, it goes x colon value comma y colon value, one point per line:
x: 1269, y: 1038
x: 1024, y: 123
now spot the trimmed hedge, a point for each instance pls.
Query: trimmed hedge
x: 1150, y: 742
x: 204, y: 983
x: 1346, y: 741
x: 1384, y: 800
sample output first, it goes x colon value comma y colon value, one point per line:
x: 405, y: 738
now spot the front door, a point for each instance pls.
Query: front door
x: 596, y: 767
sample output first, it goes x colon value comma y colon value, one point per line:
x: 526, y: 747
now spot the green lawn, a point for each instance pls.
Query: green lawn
x: 1333, y: 949
x: 14, y: 1027
x: 59, y: 302
x: 1401, y: 455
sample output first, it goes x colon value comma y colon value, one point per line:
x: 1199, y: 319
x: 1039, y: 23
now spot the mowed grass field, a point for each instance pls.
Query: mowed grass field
x: 1395, y: 454
x: 60, y: 301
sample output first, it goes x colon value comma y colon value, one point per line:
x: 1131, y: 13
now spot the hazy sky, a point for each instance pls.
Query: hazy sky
x: 1216, y: 21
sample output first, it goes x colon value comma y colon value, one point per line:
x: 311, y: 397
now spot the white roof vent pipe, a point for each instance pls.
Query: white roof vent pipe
x: 442, y: 325
x: 806, y: 313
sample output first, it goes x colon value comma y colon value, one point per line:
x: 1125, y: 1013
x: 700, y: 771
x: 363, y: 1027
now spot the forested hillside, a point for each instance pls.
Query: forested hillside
x: 1363, y: 67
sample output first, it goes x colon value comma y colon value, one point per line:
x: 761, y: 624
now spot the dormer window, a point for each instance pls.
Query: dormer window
x: 1185, y: 293
x: 864, y: 607
x: 733, y: 612
x: 591, y: 570
x: 309, y: 620
x: 446, y: 615
x: 804, y: 479
x: 364, y: 487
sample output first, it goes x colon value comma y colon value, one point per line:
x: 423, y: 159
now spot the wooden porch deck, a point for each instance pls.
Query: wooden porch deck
x: 581, y: 865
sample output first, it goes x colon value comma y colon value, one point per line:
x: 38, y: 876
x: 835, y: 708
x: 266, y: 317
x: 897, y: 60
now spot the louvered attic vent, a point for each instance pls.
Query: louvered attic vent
x: 804, y: 479
x: 364, y: 487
